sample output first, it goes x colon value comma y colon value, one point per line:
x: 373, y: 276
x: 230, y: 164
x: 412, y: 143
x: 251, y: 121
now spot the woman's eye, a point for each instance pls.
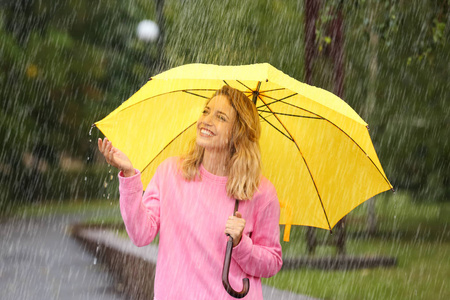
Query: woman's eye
x: 221, y: 118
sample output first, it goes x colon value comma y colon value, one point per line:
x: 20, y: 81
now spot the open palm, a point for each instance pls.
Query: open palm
x: 115, y: 157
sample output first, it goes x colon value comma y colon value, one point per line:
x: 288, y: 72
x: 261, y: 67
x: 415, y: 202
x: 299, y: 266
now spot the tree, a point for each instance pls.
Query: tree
x: 64, y: 66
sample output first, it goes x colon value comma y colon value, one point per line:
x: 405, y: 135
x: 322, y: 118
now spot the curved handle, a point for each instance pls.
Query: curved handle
x: 226, y: 271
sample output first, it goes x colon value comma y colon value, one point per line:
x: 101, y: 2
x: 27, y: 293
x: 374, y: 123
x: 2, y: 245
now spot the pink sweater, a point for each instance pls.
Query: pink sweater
x: 191, y: 217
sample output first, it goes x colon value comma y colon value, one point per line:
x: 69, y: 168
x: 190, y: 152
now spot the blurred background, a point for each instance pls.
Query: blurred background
x: 66, y: 64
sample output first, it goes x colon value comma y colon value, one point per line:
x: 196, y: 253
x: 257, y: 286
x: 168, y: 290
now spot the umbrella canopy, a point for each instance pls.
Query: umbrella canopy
x: 316, y: 149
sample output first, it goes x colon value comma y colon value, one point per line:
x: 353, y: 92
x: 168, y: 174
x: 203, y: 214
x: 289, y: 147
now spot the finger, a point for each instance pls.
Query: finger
x: 99, y: 142
x: 110, y: 157
x: 238, y: 215
x: 105, y: 149
x: 104, y: 144
x: 105, y: 154
x: 236, y: 219
x: 108, y: 147
x: 231, y: 232
x: 230, y: 224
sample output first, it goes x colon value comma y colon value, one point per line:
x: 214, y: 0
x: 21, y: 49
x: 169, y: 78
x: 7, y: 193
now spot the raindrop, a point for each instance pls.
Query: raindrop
x: 90, y: 130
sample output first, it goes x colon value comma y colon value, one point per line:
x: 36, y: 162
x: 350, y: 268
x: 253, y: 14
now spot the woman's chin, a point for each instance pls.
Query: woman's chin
x: 208, y: 145
x: 204, y: 141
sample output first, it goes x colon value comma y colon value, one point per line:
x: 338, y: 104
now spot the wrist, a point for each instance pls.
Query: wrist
x: 237, y: 241
x: 128, y: 173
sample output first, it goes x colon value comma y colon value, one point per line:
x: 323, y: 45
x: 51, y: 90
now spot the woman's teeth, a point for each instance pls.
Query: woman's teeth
x: 206, y: 132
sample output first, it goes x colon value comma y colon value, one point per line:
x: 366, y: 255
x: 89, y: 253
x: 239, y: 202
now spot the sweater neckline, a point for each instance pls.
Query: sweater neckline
x: 211, y: 177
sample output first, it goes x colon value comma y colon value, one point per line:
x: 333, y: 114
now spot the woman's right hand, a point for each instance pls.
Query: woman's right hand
x: 115, y: 157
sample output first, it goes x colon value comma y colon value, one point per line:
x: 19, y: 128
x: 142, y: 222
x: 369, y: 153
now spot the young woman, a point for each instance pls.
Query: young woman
x: 190, y: 199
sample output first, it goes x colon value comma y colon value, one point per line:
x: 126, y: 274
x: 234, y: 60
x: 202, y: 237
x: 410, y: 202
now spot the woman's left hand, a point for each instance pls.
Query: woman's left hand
x: 234, y: 227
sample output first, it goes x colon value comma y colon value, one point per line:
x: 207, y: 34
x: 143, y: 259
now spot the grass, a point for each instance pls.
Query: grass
x: 99, y: 211
x: 417, y: 234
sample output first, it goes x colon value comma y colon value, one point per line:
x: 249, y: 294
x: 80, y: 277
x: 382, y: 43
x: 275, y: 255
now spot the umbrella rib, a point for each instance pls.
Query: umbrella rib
x: 168, y: 144
x: 171, y: 92
x: 267, y: 91
x: 186, y: 91
x: 245, y: 85
x: 360, y: 148
x: 291, y: 115
x: 276, y: 100
x: 304, y: 160
x: 288, y: 137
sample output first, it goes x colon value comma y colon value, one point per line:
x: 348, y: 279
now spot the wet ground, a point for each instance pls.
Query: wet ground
x: 38, y: 261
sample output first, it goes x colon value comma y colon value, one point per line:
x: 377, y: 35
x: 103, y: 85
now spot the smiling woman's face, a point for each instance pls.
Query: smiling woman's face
x: 215, y: 125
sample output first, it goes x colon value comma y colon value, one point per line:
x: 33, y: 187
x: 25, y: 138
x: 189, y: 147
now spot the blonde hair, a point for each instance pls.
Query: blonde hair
x: 244, y: 165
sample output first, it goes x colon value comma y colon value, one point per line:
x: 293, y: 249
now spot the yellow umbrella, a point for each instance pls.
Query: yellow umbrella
x: 316, y: 149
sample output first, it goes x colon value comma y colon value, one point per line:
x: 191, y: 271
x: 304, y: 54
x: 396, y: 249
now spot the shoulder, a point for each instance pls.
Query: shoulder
x: 169, y: 162
x: 169, y: 166
x: 266, y: 187
x: 266, y: 192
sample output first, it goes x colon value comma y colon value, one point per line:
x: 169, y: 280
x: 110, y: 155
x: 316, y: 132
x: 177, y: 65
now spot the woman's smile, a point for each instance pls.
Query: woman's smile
x: 206, y: 133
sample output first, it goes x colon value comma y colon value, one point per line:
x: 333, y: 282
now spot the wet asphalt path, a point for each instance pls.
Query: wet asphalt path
x: 39, y: 260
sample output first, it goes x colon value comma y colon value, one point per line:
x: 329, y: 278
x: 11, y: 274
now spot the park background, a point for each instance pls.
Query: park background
x: 66, y: 64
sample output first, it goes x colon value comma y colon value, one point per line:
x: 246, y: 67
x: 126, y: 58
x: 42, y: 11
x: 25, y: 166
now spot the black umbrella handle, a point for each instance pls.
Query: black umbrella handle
x: 226, y: 268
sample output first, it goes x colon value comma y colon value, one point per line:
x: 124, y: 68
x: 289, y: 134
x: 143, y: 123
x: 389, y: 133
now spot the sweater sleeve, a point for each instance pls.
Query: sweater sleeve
x: 140, y: 212
x: 260, y: 255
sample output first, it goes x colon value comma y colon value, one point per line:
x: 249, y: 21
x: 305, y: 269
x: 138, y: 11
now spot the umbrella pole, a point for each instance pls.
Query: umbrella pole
x: 226, y: 267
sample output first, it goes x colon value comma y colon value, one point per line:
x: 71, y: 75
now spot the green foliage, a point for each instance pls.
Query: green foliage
x: 231, y: 33
x: 64, y: 66
x: 408, y: 112
x: 67, y: 64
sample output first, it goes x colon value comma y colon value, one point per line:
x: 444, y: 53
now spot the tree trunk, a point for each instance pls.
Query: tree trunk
x: 337, y: 54
x: 311, y: 14
x: 368, y: 108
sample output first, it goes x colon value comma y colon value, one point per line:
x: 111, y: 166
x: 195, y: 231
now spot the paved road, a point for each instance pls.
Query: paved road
x: 39, y: 261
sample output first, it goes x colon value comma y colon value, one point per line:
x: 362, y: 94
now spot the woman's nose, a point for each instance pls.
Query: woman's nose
x: 207, y: 120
